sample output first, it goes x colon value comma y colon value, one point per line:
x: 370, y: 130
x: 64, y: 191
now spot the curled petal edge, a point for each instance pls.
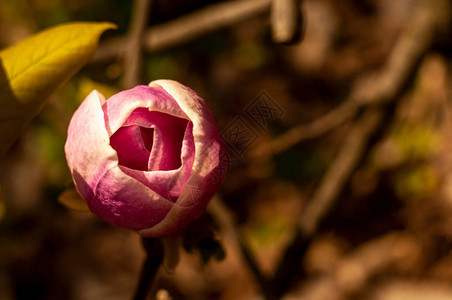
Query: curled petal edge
x: 86, y: 132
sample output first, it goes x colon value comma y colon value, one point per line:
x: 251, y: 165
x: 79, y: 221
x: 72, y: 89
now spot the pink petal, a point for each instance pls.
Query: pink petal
x: 169, y: 184
x: 210, y: 162
x: 193, y: 199
x: 131, y: 148
x: 120, y: 106
x: 167, y: 123
x: 125, y: 202
x: 87, y: 147
x: 168, y: 135
x: 172, y: 153
x: 177, y: 218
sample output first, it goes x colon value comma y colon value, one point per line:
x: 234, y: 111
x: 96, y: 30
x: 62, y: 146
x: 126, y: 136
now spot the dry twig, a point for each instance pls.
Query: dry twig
x: 226, y: 221
x: 340, y: 170
x: 303, y: 132
x: 132, y: 49
x: 372, y: 93
x: 381, y: 91
x: 187, y: 28
x: 352, y: 151
x: 376, y: 87
x: 286, y: 21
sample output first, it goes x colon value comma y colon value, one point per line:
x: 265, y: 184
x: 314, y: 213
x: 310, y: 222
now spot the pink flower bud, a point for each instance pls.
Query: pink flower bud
x: 148, y: 159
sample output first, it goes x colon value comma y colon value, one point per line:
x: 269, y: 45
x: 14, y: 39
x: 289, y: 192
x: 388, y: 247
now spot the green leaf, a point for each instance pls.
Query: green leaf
x: 33, y: 68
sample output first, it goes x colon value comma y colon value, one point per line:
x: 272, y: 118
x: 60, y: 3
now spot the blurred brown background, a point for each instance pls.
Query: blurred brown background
x: 342, y: 190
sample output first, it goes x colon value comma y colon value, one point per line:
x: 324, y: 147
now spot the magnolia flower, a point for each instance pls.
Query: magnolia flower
x: 148, y: 159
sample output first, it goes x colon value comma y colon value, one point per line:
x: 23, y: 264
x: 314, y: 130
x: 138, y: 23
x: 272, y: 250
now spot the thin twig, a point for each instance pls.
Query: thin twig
x: 380, y: 92
x: 186, y: 28
x: 154, y: 258
x: 201, y: 22
x: 303, y: 132
x: 226, y: 221
x: 286, y: 21
x: 132, y: 51
x: 376, y: 87
x: 353, y: 148
x: 414, y: 42
x: 324, y: 198
x: 340, y: 170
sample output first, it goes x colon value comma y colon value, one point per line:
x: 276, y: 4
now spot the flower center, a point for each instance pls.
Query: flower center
x: 150, y: 141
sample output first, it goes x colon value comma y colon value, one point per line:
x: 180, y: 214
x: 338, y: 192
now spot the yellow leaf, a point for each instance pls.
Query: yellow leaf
x: 33, y: 68
x: 86, y: 86
x: 72, y: 199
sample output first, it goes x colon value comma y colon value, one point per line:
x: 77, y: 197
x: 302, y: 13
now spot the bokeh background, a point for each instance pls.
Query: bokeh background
x: 388, y: 231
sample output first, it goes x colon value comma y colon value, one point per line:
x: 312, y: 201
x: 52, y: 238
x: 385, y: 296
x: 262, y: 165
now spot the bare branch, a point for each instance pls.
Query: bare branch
x: 226, y: 221
x: 286, y: 21
x: 303, y: 132
x: 340, y: 170
x: 325, y: 196
x: 188, y: 27
x: 353, y: 148
x: 376, y: 87
x: 201, y: 22
x: 132, y: 51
